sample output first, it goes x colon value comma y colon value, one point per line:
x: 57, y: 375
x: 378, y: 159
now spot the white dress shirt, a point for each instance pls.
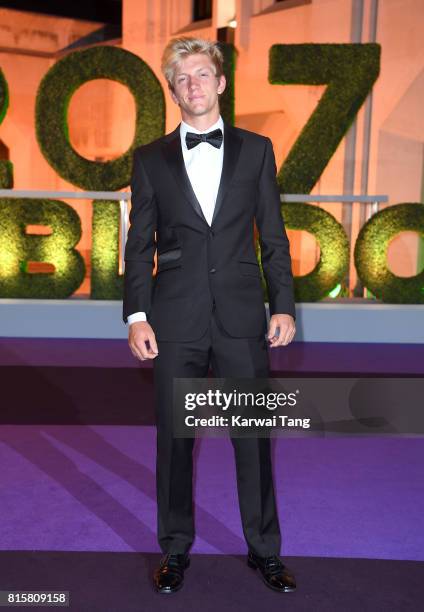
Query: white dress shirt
x: 204, y: 166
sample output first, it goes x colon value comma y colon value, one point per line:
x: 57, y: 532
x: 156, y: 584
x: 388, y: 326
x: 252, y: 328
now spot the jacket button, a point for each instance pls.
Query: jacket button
x: 212, y: 271
x: 211, y: 234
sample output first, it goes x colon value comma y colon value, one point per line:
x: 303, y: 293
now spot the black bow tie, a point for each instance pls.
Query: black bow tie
x: 214, y: 138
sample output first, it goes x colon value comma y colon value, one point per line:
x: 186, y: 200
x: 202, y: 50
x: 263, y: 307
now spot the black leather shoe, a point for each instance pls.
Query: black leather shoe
x: 274, y: 573
x: 169, y: 577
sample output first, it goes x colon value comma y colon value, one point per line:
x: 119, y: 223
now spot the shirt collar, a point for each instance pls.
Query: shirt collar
x: 185, y: 127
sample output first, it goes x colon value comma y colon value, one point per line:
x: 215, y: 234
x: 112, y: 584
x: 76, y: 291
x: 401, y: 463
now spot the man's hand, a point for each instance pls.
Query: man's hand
x: 142, y: 341
x: 287, y: 330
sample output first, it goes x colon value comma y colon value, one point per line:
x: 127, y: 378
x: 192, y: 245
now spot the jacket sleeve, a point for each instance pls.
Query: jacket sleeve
x: 141, y: 243
x: 275, y: 248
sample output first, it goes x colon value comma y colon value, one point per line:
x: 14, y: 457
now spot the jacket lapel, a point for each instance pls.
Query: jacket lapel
x: 174, y: 157
x: 175, y: 160
x: 232, y: 145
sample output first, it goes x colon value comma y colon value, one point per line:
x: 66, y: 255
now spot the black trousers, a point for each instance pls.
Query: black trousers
x: 228, y: 357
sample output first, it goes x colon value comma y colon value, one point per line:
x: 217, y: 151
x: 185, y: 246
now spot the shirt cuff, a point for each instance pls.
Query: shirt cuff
x: 137, y: 316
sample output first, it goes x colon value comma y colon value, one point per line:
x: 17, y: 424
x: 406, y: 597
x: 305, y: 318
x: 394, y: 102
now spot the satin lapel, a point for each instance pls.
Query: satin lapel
x: 232, y: 145
x: 175, y: 160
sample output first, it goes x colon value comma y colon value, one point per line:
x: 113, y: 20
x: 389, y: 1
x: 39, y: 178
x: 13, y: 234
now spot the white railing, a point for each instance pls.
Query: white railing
x: 372, y: 202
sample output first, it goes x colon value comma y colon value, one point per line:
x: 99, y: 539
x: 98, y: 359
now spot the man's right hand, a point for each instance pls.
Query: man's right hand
x: 142, y: 341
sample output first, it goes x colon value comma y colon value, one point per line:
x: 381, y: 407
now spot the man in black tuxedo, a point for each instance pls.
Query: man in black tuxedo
x: 196, y: 194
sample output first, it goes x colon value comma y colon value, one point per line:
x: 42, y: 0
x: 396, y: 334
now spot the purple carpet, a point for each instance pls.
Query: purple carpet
x: 77, y: 450
x: 92, y: 488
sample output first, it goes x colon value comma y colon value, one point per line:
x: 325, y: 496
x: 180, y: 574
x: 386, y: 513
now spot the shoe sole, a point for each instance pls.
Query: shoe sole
x: 169, y: 591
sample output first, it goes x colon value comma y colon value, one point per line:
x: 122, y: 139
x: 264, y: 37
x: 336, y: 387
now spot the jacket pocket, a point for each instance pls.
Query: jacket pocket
x: 169, y: 259
x: 249, y: 268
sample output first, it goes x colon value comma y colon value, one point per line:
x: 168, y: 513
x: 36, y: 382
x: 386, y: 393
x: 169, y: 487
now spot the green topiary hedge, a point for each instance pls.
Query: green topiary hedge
x: 6, y: 167
x: 349, y: 71
x: 371, y: 254
x: 17, y: 249
x: 334, y: 250
x: 4, y: 96
x: 106, y: 283
x: 6, y: 174
x: 227, y: 99
x: 53, y: 97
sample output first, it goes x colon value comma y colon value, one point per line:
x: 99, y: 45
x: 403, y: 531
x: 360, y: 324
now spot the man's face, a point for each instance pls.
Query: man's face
x: 196, y: 87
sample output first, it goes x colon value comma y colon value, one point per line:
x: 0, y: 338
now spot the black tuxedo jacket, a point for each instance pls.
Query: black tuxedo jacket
x: 200, y: 266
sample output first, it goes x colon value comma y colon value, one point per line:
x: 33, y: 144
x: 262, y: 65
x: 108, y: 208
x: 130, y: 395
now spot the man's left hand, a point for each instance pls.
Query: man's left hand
x: 287, y: 330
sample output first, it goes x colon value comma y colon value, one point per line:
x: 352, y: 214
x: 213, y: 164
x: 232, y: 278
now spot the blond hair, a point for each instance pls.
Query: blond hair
x: 179, y: 48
